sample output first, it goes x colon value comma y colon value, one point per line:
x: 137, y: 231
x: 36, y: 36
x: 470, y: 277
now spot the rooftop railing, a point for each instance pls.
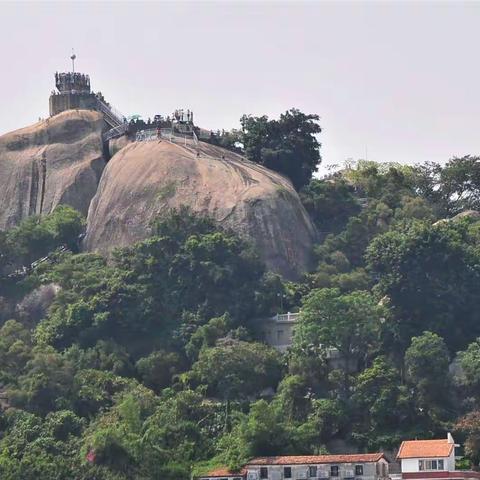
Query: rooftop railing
x: 286, y: 317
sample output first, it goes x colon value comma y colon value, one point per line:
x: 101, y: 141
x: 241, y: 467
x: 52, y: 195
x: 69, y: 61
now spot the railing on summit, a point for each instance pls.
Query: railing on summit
x: 167, y: 134
x: 147, y: 135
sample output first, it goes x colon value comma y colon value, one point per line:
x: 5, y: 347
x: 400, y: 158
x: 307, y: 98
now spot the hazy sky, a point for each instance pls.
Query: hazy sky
x: 399, y: 79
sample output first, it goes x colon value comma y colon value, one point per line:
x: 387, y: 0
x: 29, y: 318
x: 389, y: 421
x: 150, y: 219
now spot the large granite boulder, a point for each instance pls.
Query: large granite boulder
x: 62, y: 161
x: 55, y: 161
x: 144, y: 180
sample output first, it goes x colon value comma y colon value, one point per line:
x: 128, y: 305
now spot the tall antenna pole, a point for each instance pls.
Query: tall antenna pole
x: 73, y: 57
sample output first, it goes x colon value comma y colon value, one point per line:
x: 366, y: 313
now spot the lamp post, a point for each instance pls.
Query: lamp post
x: 73, y: 57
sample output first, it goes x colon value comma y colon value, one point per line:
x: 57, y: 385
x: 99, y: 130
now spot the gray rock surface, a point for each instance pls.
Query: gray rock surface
x: 144, y: 180
x: 55, y: 161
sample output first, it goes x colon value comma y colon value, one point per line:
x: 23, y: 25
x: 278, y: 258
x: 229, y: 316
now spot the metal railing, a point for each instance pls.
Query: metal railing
x: 115, y: 132
x: 114, y: 117
x: 166, y: 133
x: 147, y: 135
x: 25, y: 270
x: 286, y: 317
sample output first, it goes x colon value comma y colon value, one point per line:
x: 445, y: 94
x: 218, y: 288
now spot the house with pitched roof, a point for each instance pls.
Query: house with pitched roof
x: 368, y: 466
x: 431, y: 460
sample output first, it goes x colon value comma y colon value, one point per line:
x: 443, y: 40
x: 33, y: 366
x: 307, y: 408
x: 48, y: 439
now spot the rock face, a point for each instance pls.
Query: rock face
x: 61, y: 161
x: 144, y: 180
x: 55, y: 161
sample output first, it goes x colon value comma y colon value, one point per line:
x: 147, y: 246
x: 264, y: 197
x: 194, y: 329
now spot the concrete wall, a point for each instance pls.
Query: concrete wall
x: 71, y: 101
x: 278, y: 334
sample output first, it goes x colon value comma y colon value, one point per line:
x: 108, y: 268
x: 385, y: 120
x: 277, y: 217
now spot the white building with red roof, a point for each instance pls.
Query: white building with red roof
x: 367, y: 466
x: 431, y: 460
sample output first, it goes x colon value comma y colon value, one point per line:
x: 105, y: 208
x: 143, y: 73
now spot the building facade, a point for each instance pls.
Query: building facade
x: 430, y: 460
x: 371, y: 466
x: 278, y: 331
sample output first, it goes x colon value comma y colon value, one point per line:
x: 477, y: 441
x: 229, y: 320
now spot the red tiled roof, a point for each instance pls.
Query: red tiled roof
x: 224, y: 472
x: 314, y: 459
x: 425, y: 449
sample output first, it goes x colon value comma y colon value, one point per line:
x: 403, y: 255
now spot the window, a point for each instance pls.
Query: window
x: 431, y: 465
x: 334, y: 471
x: 263, y: 472
x: 358, y: 470
x: 279, y: 335
x: 287, y: 472
x: 312, y: 472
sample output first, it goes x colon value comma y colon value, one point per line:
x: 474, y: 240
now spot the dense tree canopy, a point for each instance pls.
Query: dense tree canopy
x: 288, y: 145
x: 432, y: 275
x: 152, y: 364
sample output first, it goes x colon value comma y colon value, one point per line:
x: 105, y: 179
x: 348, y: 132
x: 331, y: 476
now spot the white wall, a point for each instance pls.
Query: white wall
x: 411, y: 464
x: 451, y: 461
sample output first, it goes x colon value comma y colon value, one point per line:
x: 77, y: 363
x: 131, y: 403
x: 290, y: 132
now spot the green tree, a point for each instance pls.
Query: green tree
x: 207, y: 335
x: 293, y: 398
x: 351, y: 323
x: 259, y: 433
x: 426, y: 366
x: 330, y: 203
x: 469, y: 426
x: 382, y: 406
x: 152, y: 285
x: 46, y: 384
x: 431, y: 275
x: 469, y: 361
x: 37, y: 236
x: 15, y: 349
x: 237, y: 369
x: 287, y: 145
x: 182, y: 429
x: 157, y: 369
